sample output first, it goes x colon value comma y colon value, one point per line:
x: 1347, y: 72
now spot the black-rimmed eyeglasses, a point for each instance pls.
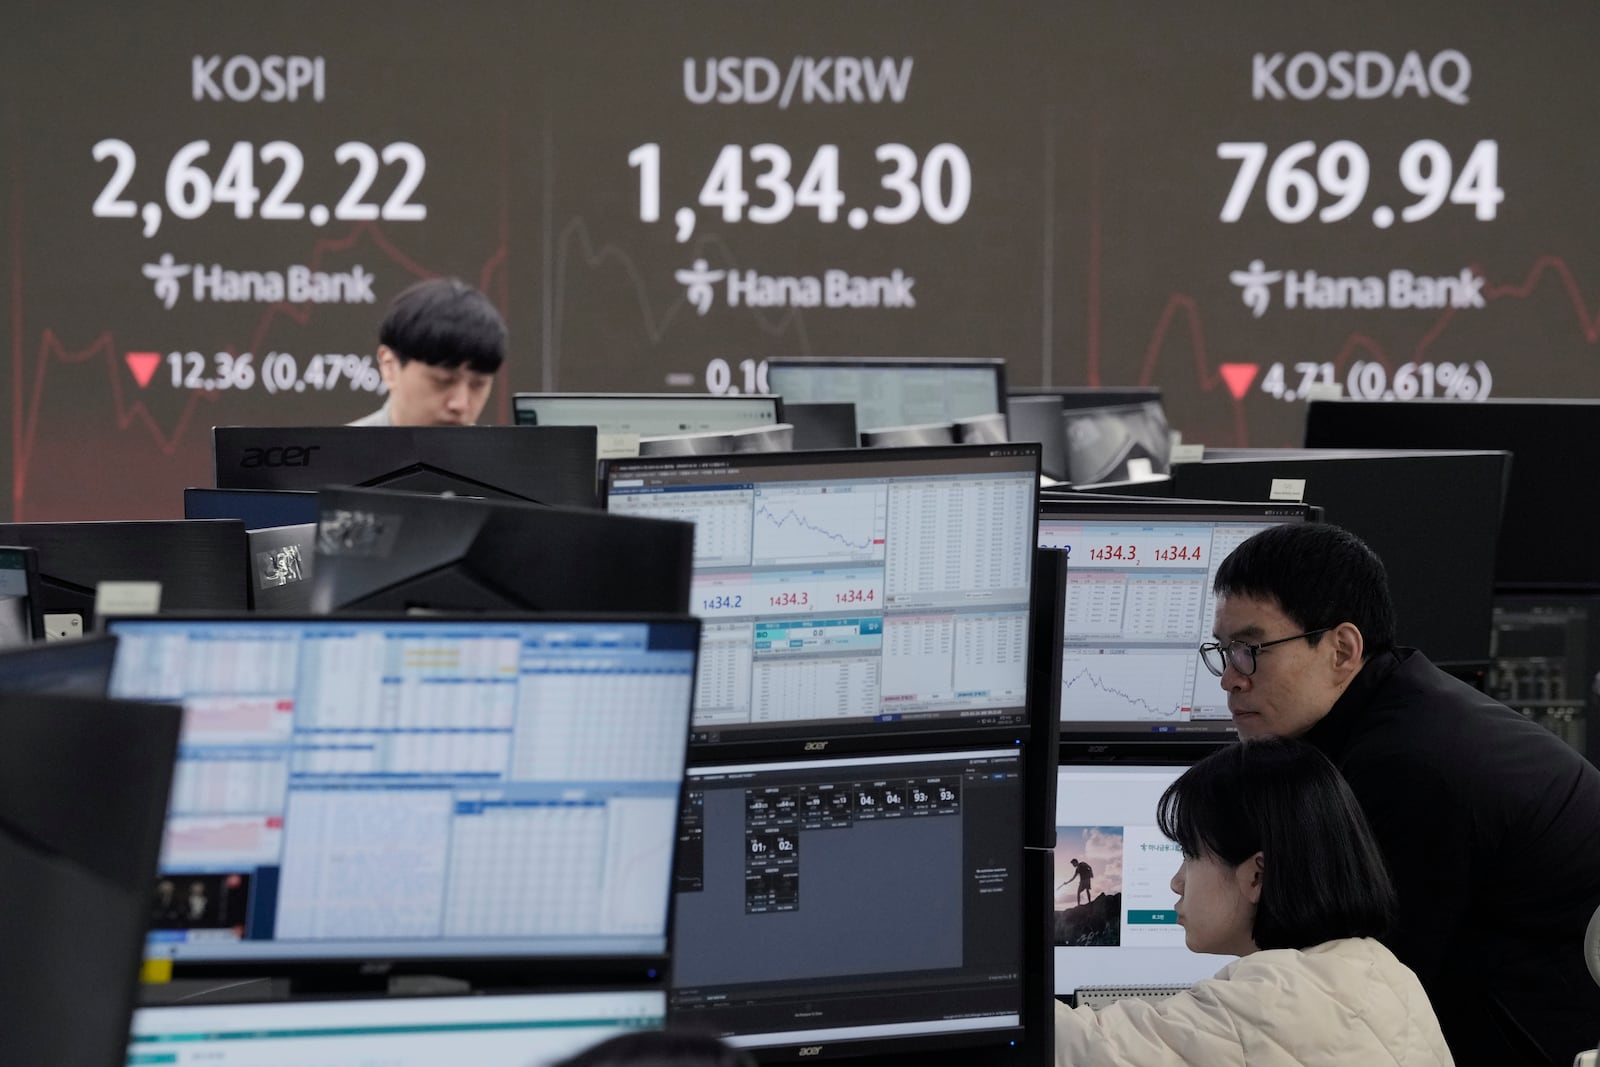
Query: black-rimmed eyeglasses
x: 1241, y: 655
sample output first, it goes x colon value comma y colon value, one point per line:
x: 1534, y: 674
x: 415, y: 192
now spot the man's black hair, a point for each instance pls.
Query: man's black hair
x: 1323, y: 877
x: 1319, y: 576
x: 446, y: 323
x: 660, y: 1048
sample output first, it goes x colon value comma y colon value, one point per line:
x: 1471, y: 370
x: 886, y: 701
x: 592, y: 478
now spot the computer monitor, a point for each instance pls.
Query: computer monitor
x: 1091, y: 396
x: 1432, y: 517
x: 894, y: 392
x: 21, y: 620
x: 1123, y: 937
x: 83, y: 788
x: 850, y: 596
x: 200, y: 563
x: 258, y: 509
x: 777, y: 438
x: 865, y: 904
x: 1543, y: 657
x: 1139, y: 605
x: 1550, y: 440
x: 74, y: 666
x: 1038, y: 418
x: 982, y: 430
x: 818, y: 426
x: 460, y: 796
x: 281, y: 566
x: 381, y: 551
x: 920, y: 436
x: 623, y: 418
x: 1116, y: 444
x: 537, y: 464
x: 519, y: 1030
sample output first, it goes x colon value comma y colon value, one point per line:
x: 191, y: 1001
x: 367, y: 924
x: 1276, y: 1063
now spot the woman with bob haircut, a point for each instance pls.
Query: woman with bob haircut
x: 1280, y: 869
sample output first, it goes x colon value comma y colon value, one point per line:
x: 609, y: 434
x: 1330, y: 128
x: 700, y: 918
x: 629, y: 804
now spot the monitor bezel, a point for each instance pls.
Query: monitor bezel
x: 865, y: 736
x: 364, y: 972
x: 1147, y: 745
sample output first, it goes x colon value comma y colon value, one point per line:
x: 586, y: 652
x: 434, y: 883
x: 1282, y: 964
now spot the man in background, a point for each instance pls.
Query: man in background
x: 1450, y: 780
x: 438, y: 350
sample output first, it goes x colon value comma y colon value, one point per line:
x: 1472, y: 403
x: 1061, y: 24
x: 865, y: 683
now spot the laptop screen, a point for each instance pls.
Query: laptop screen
x: 419, y: 788
x: 494, y: 1031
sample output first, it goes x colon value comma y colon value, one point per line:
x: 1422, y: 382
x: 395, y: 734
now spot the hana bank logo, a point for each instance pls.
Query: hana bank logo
x: 697, y: 282
x: 1254, y: 282
x: 165, y: 274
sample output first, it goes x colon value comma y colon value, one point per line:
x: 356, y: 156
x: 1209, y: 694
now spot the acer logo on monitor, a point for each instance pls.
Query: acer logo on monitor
x: 278, y: 456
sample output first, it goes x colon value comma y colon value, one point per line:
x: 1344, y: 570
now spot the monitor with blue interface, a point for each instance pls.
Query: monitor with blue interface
x: 853, y: 594
x: 1115, y: 922
x: 894, y: 392
x: 422, y: 789
x: 859, y: 904
x: 1139, y: 605
x: 521, y: 1030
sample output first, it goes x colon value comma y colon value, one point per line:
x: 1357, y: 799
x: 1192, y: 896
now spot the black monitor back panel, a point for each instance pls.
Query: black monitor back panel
x: 83, y: 794
x: 1038, y: 418
x: 380, y: 551
x: 537, y: 464
x: 199, y: 563
x: 281, y: 561
x: 1554, y: 444
x: 78, y: 667
x: 1432, y: 517
x: 819, y: 426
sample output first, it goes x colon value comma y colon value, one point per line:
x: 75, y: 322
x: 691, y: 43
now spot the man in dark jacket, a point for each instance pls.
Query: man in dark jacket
x: 1452, y: 782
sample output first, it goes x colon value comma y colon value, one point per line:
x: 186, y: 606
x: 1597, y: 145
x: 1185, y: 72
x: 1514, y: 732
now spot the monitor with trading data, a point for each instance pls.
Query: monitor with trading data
x: 416, y: 790
x: 853, y: 595
x: 1139, y: 605
x: 537, y: 464
x: 894, y: 392
x: 518, y: 1030
x: 623, y: 418
x: 1115, y: 924
x: 862, y: 903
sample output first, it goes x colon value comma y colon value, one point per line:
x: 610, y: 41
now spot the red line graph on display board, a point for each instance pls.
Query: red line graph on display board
x: 1209, y: 375
x: 28, y: 396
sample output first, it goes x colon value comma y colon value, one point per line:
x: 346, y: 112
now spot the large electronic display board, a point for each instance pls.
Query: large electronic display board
x: 205, y: 210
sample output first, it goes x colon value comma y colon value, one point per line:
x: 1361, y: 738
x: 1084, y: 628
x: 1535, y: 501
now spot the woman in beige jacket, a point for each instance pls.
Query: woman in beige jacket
x: 1280, y: 869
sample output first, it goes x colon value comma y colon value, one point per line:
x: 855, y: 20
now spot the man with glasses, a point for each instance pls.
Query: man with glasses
x: 1452, y: 782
